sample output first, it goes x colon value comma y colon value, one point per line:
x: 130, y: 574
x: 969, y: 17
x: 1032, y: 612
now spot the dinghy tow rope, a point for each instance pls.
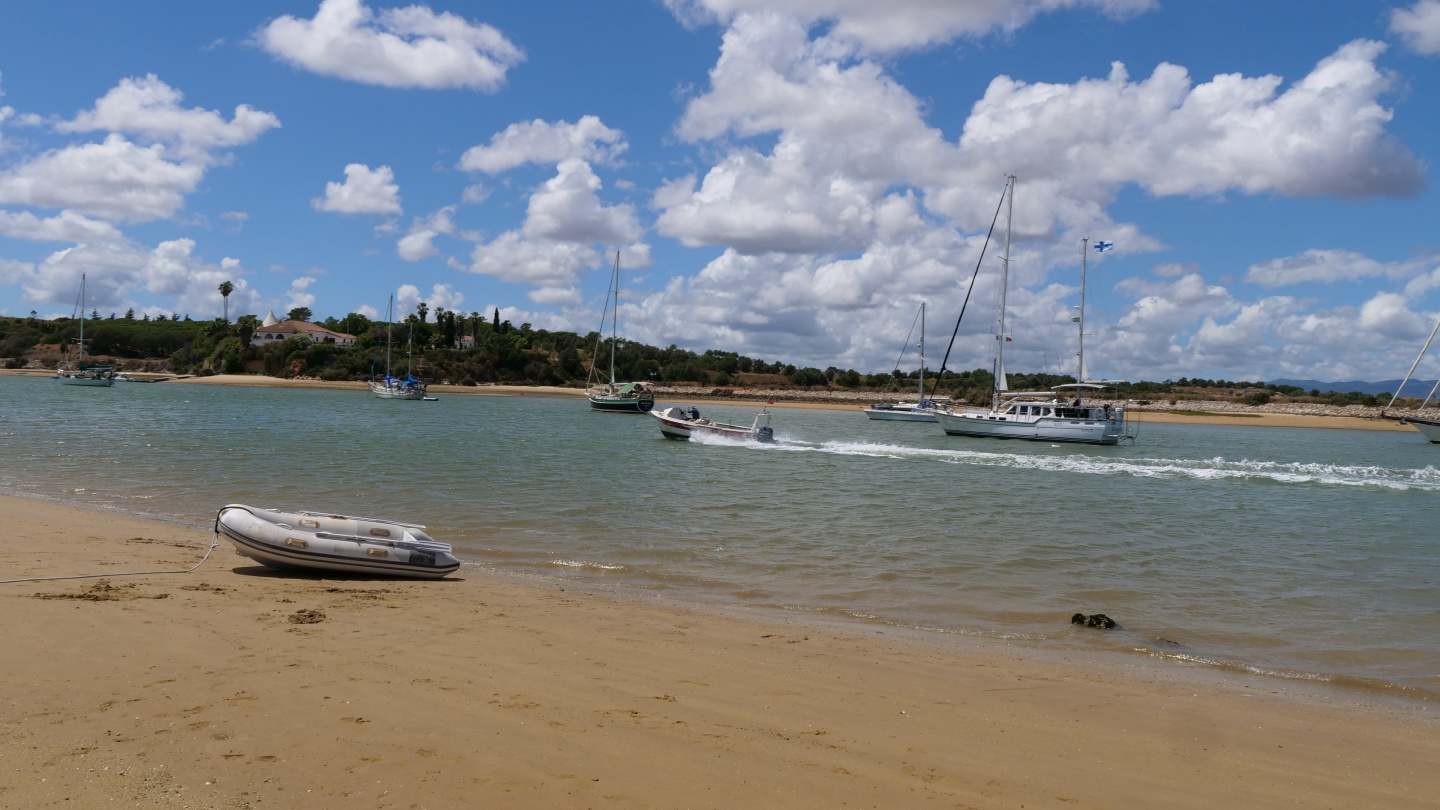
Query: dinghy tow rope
x: 213, y: 543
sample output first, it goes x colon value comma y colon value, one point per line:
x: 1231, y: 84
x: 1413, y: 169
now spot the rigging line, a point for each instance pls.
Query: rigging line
x: 974, y: 276
x: 213, y: 543
x: 906, y: 345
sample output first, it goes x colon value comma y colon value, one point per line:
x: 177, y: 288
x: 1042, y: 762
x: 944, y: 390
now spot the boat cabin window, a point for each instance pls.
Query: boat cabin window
x: 380, y: 532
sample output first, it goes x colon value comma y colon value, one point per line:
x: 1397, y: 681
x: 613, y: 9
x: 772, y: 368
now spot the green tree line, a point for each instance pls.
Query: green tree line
x: 504, y: 353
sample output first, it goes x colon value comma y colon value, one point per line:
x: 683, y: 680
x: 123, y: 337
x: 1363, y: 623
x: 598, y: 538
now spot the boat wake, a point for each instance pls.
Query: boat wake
x: 1426, y: 479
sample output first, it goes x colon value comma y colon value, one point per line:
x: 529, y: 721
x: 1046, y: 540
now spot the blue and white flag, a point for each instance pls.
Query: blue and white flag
x: 1101, y: 247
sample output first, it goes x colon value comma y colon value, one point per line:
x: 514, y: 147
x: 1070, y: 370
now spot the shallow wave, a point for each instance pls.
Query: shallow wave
x: 1425, y: 479
x: 594, y: 566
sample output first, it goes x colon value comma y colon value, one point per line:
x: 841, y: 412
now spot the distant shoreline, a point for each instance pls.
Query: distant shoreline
x: 1160, y: 414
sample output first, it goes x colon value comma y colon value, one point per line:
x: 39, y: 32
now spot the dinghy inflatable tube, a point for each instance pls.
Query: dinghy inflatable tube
x: 356, y: 545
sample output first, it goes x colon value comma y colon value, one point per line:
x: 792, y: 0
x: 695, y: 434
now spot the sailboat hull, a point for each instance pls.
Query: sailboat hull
x: 621, y: 404
x: 1045, y: 429
x: 900, y: 413
x: 93, y: 382
x: 399, y: 391
x: 1430, y: 429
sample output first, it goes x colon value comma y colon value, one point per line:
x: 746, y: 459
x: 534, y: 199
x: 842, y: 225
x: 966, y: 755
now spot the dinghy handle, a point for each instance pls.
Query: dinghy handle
x: 368, y: 519
x: 382, y: 542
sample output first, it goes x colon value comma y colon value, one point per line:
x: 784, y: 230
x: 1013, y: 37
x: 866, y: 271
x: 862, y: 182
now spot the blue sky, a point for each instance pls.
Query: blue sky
x: 787, y: 179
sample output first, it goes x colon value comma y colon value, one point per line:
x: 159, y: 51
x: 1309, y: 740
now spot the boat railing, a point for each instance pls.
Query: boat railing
x: 428, y: 545
x: 351, y: 517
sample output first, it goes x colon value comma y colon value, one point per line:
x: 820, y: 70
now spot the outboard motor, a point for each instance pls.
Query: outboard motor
x: 767, y: 435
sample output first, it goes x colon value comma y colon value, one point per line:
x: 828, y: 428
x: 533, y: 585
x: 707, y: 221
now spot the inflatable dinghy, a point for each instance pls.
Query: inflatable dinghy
x: 355, y: 545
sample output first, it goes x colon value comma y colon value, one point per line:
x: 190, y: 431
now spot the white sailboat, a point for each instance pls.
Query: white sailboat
x: 1429, y: 427
x: 81, y: 374
x: 1040, y: 415
x: 631, y: 397
x: 923, y: 408
x: 389, y: 387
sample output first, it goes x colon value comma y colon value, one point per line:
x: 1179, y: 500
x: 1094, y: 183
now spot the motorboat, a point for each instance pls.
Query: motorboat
x: 678, y: 423
x: 1047, y: 416
x: 1043, y: 416
x: 319, y: 540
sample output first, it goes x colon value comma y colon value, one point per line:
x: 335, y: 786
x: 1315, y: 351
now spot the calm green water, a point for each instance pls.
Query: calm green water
x: 1297, y: 553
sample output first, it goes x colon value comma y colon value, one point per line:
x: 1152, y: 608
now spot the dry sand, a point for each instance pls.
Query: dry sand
x: 220, y: 689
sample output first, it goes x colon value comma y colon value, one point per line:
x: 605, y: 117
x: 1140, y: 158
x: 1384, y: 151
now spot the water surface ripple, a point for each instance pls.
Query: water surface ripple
x: 1297, y: 553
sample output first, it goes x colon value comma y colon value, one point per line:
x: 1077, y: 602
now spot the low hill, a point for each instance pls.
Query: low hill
x: 1416, y: 388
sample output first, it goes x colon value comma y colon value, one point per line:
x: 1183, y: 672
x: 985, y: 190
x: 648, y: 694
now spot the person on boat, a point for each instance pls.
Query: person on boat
x: 694, y: 412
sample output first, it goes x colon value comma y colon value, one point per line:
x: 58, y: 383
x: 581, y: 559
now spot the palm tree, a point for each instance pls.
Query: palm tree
x: 225, y: 289
x: 422, y: 308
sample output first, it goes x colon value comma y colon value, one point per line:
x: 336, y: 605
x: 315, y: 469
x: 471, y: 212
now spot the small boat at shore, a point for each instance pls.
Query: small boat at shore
x: 677, y: 423
x: 317, y: 540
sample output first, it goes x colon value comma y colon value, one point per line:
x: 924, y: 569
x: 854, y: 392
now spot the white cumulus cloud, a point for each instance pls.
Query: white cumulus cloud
x: 115, y: 179
x: 67, y: 226
x: 1418, y: 26
x: 901, y: 24
x: 365, y: 191
x: 419, y: 243
x: 568, y: 209
x: 1327, y: 266
x: 299, y: 294
x: 544, y: 142
x: 151, y: 108
x: 139, y: 178
x: 441, y: 296
x: 411, y: 46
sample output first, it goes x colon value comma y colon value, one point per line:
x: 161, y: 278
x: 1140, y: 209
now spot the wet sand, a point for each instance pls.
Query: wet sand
x: 235, y: 686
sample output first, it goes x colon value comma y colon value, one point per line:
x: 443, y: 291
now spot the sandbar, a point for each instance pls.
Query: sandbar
x: 218, y: 689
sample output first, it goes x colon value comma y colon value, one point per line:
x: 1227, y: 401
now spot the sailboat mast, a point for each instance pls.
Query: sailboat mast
x: 922, y: 353
x: 1411, y: 373
x: 389, y: 323
x: 82, y: 320
x: 614, y: 319
x: 1084, y: 255
x: 1000, y: 382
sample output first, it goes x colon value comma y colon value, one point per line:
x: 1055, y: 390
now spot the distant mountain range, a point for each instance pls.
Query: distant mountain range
x: 1416, y: 388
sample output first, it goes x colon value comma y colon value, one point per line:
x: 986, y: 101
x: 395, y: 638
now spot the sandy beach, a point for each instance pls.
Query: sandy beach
x: 235, y: 686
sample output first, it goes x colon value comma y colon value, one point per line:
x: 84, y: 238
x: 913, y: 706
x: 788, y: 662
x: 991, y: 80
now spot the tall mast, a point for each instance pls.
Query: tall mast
x: 922, y: 353
x: 410, y: 351
x: 1084, y: 255
x: 82, y: 320
x: 1000, y: 382
x: 614, y: 318
x: 389, y: 319
x: 1413, y: 366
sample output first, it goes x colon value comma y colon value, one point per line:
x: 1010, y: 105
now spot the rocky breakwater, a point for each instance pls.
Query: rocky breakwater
x: 1289, y: 408
x: 856, y: 398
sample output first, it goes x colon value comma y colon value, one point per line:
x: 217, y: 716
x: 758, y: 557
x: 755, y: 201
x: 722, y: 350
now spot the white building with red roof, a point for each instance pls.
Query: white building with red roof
x: 273, y: 331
